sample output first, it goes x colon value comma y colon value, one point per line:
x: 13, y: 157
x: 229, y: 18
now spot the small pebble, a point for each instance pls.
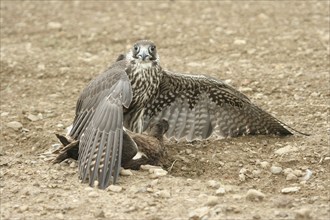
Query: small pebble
x: 298, y: 173
x: 73, y: 164
x: 114, y: 188
x: 188, y: 151
x: 303, y: 214
x: 4, y: 114
x: 99, y: 214
x: 291, y: 177
x: 59, y: 216
x: 15, y: 125
x: 283, y: 202
x: 213, y: 184
x: 157, y: 173
x: 275, y: 170
x: 264, y: 164
x: 212, y: 201
x: 54, y: 25
x: 93, y: 194
x: 281, y: 214
x: 199, y: 213
x: 286, y: 171
x: 149, y: 167
x: 124, y: 172
x: 32, y: 117
x: 285, y: 150
x: 163, y: 194
x: 239, y: 42
x: 221, y: 191
x: 254, y: 195
x: 241, y: 177
x: 256, y: 173
x: 23, y: 208
x: 290, y: 190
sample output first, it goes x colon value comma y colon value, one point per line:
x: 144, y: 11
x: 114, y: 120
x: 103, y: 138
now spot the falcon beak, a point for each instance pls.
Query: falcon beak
x: 144, y: 55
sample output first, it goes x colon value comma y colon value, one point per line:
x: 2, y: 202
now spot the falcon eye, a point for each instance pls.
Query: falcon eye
x: 136, y: 48
x: 152, y: 49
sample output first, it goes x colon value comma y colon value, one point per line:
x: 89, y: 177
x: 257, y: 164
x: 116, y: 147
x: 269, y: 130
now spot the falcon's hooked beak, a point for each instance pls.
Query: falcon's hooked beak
x: 144, y: 54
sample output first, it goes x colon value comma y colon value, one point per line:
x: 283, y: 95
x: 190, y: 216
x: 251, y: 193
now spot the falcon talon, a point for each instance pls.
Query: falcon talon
x: 136, y: 93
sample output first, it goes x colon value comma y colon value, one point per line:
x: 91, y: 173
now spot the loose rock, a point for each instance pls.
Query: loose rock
x: 124, y: 172
x: 212, y: 201
x: 291, y: 177
x: 213, y: 184
x: 290, y: 190
x: 199, y: 213
x: 114, y: 188
x: 99, y: 214
x: 221, y: 191
x: 303, y: 214
x: 255, y: 195
x: 155, y: 173
x: 285, y: 150
x: 15, y: 125
x: 298, y: 173
x: 264, y: 164
x: 54, y: 25
x: 163, y: 194
x: 275, y: 170
x: 93, y: 194
x: 32, y: 117
x: 286, y: 171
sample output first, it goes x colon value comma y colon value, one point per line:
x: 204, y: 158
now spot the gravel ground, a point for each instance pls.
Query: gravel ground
x: 277, y: 53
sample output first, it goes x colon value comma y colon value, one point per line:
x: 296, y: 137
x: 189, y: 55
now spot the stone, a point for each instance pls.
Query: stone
x: 275, y: 170
x: 15, y: 125
x: 4, y: 114
x: 23, y: 208
x: 54, y: 25
x: 213, y: 184
x: 240, y: 42
x: 290, y: 190
x: 212, y: 201
x: 73, y: 164
x: 156, y: 173
x: 303, y: 214
x: 114, y: 188
x: 59, y: 216
x: 93, y: 194
x: 264, y: 164
x: 32, y: 117
x: 241, y: 177
x: 291, y: 177
x: 124, y: 172
x: 163, y: 194
x: 285, y: 150
x: 286, y: 171
x: 199, y: 213
x: 298, y: 173
x: 254, y: 195
x: 220, y: 192
x: 149, y: 167
x: 99, y: 214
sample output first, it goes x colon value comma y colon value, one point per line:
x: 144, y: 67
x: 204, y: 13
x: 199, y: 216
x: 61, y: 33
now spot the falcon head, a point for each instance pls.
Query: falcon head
x: 143, y: 51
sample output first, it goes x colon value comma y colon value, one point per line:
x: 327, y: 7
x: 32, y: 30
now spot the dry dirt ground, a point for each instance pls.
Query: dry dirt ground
x: 277, y: 53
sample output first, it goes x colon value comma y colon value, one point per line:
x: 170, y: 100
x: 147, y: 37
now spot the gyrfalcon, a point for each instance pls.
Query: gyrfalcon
x: 136, y: 92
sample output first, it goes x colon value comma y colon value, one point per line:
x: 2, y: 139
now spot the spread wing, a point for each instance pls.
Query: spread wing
x: 198, y: 106
x: 99, y: 125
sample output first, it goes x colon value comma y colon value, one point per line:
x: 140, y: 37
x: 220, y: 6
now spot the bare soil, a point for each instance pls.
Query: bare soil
x: 277, y: 53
